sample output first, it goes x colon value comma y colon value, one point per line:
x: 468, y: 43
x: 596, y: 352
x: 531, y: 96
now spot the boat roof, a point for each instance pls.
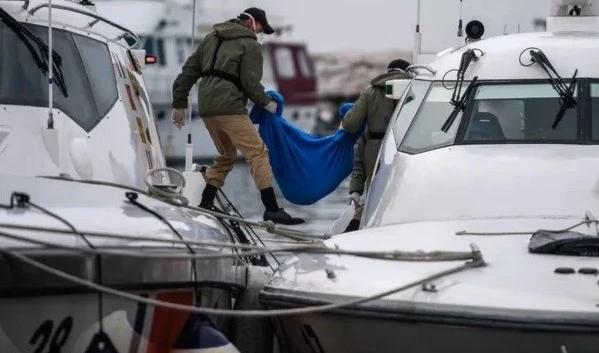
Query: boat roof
x: 567, y: 51
x: 68, y: 15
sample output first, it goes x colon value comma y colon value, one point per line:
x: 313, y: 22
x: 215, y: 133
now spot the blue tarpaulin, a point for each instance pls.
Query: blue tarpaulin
x: 305, y: 167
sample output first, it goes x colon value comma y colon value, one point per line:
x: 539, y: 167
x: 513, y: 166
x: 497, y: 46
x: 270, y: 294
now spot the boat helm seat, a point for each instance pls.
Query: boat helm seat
x: 485, y: 127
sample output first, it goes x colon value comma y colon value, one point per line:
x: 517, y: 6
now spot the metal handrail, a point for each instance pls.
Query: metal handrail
x: 427, y: 68
x: 97, y: 18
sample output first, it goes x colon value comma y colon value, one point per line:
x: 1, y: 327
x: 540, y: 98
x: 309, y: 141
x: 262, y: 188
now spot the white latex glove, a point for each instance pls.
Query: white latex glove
x: 353, y: 197
x: 178, y: 117
x: 271, y: 107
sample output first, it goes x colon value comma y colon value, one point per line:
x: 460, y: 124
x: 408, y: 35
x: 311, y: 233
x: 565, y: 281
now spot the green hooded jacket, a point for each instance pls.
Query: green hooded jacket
x: 376, y: 109
x: 239, y: 55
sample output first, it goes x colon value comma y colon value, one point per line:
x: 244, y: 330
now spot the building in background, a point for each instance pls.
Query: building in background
x: 343, y: 75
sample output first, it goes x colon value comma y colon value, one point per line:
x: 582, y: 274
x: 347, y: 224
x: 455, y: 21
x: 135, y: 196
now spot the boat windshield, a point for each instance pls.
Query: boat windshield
x: 519, y: 113
x: 87, y: 68
x: 497, y: 113
x: 425, y: 133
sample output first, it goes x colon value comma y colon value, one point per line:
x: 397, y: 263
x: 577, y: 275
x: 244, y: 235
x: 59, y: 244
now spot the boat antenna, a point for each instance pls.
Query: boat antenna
x: 189, y: 144
x: 50, y: 134
x: 417, y: 36
x: 460, y: 27
x: 50, y: 71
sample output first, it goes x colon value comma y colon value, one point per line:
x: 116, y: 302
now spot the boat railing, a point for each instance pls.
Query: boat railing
x: 413, y: 68
x: 97, y: 18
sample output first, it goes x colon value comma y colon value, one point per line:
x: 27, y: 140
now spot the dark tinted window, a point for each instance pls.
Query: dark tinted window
x: 595, y: 111
x: 161, y: 53
x: 22, y: 83
x: 98, y: 65
x: 149, y: 45
x: 519, y: 112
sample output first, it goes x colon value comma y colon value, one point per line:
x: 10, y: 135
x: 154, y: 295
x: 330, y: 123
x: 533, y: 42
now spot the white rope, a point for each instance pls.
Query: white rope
x: 240, y: 313
x: 93, y: 234
x: 268, y: 225
x: 169, y: 194
x: 583, y: 222
x: 435, y: 256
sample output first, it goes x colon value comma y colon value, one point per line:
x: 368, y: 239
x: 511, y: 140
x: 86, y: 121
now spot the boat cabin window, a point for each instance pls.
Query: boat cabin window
x: 182, y: 49
x: 304, y: 63
x: 98, y: 65
x: 284, y: 62
x: 148, y: 45
x: 518, y: 113
x: 87, y: 70
x: 595, y: 111
x: 417, y: 92
x: 155, y: 46
x: 267, y: 72
x: 424, y: 133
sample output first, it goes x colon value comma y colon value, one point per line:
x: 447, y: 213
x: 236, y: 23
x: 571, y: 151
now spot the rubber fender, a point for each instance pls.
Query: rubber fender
x: 252, y: 335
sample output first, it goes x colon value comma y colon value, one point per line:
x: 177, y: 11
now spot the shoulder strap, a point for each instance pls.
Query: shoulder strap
x: 219, y: 73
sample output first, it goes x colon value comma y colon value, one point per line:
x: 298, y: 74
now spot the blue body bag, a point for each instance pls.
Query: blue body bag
x: 306, y: 168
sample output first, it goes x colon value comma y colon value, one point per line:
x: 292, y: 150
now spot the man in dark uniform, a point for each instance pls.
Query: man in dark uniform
x: 229, y: 61
x: 373, y: 107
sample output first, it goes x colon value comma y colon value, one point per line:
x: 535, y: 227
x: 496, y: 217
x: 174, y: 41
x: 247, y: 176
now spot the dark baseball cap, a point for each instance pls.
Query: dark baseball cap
x: 398, y: 64
x: 260, y: 16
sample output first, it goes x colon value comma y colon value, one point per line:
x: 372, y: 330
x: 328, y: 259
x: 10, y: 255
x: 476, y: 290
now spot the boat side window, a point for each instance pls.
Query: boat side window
x: 155, y: 46
x: 267, y: 72
x: 161, y: 52
x: 417, y: 92
x: 148, y: 44
x: 182, y: 48
x: 304, y: 63
x: 284, y: 62
x: 98, y: 65
x: 595, y: 111
x: 425, y: 132
x: 23, y: 83
x: 518, y: 113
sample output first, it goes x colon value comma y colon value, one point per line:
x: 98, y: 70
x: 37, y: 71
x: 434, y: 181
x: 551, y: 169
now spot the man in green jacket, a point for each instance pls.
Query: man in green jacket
x: 229, y: 63
x: 373, y: 107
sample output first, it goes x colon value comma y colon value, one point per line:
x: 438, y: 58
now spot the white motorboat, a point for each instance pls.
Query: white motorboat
x: 90, y: 236
x: 488, y: 179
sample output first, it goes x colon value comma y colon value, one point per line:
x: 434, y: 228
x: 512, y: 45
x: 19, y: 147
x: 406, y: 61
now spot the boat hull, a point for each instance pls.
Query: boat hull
x: 71, y: 323
x: 349, y: 332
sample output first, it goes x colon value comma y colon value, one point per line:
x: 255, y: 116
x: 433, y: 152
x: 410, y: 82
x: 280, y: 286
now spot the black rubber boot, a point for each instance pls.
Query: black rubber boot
x: 281, y: 217
x: 208, y: 196
x: 269, y: 199
x: 273, y: 212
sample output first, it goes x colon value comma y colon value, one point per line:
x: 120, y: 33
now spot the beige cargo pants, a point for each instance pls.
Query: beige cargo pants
x: 229, y: 134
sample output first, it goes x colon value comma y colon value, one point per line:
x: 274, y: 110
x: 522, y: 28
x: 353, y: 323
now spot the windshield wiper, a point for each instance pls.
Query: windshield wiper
x: 459, y: 102
x: 41, y: 57
x: 459, y: 105
x: 566, y: 93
